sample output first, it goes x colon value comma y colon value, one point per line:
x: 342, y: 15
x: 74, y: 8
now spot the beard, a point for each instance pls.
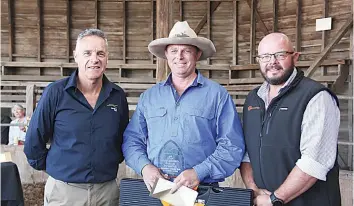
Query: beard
x: 281, y: 79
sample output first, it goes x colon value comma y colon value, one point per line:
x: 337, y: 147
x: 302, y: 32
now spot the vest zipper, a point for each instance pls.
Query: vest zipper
x: 263, y: 117
x: 268, y: 122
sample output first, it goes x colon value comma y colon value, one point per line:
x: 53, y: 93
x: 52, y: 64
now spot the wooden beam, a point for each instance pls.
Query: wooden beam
x: 235, y: 34
x: 162, y: 14
x: 152, y: 28
x: 339, y: 84
x: 324, y: 33
x: 68, y: 14
x: 180, y: 10
x: 30, y: 100
x: 253, y: 32
x: 201, y: 23
x: 171, y: 21
x: 351, y: 102
x: 39, y: 29
x: 275, y: 15
x: 259, y: 18
x: 302, y: 64
x: 96, y: 14
x: 11, y: 28
x: 342, y: 31
x: 208, y: 12
x: 298, y: 26
x: 124, y: 33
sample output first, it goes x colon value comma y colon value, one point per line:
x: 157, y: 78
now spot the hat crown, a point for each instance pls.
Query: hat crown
x: 182, y: 29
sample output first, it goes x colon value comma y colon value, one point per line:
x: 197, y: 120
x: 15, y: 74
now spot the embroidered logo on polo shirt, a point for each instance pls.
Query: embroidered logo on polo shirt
x: 252, y: 108
x: 114, y: 107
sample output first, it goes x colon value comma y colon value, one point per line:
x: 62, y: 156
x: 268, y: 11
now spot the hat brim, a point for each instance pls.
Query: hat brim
x: 158, y: 46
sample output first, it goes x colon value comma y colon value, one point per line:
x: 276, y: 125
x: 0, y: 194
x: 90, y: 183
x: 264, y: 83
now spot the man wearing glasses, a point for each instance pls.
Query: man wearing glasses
x: 291, y: 128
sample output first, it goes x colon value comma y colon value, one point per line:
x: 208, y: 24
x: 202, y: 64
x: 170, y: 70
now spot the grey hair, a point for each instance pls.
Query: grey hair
x: 15, y: 107
x: 92, y: 32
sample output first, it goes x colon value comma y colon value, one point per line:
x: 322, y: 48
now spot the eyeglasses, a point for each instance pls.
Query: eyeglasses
x: 278, y: 56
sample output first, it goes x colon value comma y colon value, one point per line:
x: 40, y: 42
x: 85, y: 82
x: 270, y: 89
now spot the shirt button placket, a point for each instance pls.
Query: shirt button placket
x: 175, y: 122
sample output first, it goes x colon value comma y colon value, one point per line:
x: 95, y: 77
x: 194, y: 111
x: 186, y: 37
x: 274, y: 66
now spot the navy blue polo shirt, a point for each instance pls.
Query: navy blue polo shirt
x: 85, y: 142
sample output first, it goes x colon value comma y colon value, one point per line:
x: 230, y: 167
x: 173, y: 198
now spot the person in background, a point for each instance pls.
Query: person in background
x: 17, y: 134
x: 84, y: 117
x: 5, y: 129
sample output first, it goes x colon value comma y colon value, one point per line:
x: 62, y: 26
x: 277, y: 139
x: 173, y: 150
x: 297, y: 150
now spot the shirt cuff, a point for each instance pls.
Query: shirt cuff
x: 202, y: 171
x: 141, y: 164
x: 39, y: 164
x: 246, y: 158
x: 312, y: 167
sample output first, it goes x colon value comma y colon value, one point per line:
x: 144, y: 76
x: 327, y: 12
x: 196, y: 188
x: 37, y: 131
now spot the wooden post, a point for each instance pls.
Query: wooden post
x: 351, y: 102
x: 208, y: 27
x: 252, y: 73
x: 39, y: 29
x: 235, y: 34
x: 253, y: 32
x: 152, y: 28
x: 162, y: 14
x: 124, y: 33
x: 11, y: 29
x: 68, y: 14
x: 234, y: 38
x: 275, y: 15
x: 324, y: 34
x: 96, y: 14
x: 298, y: 26
x: 30, y: 100
x: 180, y: 10
x: 263, y: 27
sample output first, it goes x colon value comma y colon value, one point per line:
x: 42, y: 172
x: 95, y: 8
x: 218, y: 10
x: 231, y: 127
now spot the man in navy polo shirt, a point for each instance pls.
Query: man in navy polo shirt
x: 84, y: 117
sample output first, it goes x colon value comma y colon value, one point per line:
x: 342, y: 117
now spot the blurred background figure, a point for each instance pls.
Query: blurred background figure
x: 17, y: 134
x: 5, y: 119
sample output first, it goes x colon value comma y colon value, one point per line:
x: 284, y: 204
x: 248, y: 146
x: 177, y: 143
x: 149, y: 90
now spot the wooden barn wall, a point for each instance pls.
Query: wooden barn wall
x: 40, y: 37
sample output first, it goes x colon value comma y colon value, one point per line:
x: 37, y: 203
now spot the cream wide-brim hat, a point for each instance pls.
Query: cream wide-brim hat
x: 181, y: 33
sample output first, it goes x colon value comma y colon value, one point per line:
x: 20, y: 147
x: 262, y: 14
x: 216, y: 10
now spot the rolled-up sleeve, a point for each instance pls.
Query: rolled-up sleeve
x: 40, y: 129
x: 230, y: 147
x: 134, y: 140
x: 319, y: 136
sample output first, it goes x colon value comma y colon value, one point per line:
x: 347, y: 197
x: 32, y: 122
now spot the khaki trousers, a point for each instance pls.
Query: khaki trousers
x: 58, y: 193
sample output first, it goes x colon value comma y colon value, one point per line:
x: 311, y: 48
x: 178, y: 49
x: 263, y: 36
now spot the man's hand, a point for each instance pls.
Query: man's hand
x: 262, y: 200
x: 188, y: 178
x: 259, y: 191
x: 151, y: 174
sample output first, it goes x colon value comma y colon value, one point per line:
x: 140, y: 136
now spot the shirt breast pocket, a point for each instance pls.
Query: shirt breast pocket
x: 156, y: 123
x: 199, y: 125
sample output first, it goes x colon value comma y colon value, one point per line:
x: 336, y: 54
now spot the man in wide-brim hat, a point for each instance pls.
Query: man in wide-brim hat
x: 185, y: 129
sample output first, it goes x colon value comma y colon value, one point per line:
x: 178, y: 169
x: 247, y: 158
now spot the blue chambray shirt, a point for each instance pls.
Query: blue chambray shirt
x: 203, y: 124
x: 85, y: 142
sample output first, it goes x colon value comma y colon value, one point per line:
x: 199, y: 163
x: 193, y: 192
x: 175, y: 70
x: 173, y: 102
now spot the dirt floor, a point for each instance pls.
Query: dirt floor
x: 33, y: 194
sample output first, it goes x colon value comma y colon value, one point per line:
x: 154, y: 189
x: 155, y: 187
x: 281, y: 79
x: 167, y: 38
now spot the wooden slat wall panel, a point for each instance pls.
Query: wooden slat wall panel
x: 25, y: 27
x: 82, y: 17
x: 222, y: 27
x: 4, y: 28
x: 110, y: 21
x: 54, y: 28
x: 244, y: 32
x: 138, y: 29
